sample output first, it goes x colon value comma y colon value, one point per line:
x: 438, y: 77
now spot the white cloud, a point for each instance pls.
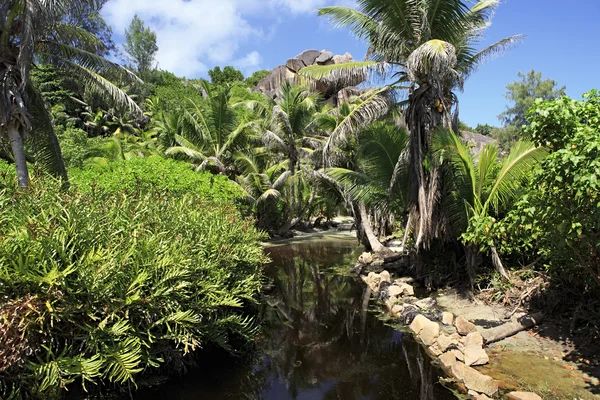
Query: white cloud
x: 193, y: 34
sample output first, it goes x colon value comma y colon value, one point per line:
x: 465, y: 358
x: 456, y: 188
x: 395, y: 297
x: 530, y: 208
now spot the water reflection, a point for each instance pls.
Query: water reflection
x: 318, y: 341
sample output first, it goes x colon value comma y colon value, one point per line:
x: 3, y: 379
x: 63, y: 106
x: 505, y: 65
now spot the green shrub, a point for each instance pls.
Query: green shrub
x: 154, y: 174
x: 102, y: 285
x: 559, y: 217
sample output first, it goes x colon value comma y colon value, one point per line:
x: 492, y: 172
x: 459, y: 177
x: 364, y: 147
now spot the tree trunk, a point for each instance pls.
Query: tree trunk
x: 374, y: 242
x: 18, y: 150
x: 498, y: 264
x: 511, y: 328
x: 473, y: 260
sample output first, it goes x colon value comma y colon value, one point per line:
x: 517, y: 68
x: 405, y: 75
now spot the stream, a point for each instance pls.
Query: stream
x: 321, y: 339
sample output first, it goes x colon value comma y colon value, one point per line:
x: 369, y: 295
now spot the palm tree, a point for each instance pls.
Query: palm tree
x: 479, y: 189
x: 209, y: 135
x: 32, y: 29
x: 428, y: 48
x: 263, y: 187
x: 289, y: 131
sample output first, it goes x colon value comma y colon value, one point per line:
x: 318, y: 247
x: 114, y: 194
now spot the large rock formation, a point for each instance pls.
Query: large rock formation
x: 335, y: 90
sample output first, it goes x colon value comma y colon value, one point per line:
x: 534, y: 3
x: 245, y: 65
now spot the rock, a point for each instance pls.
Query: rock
x: 373, y: 280
x: 428, y: 331
x: 447, y: 318
x: 395, y: 291
x: 295, y: 64
x: 445, y: 342
x: 386, y: 277
x: 459, y: 355
x: 365, y: 258
x: 474, y: 339
x: 463, y: 326
x: 475, y: 355
x: 324, y: 57
x: 523, y: 396
x: 407, y: 290
x: 308, y: 57
x: 435, y: 350
x: 346, y: 58
x: 474, y: 380
x: 397, y: 309
x: 477, y: 396
x: 447, y: 360
x: 426, y: 303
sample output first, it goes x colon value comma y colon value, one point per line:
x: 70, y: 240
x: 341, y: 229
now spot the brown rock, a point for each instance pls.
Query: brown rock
x: 435, y: 350
x: 324, y: 57
x: 365, y: 258
x: 463, y: 326
x: 308, y: 57
x: 474, y: 380
x: 397, y: 309
x: 426, y: 303
x: 446, y: 342
x: 447, y: 318
x: 428, y: 331
x: 474, y: 339
x: 459, y: 355
x: 523, y: 396
x: 385, y: 276
x: 477, y: 396
x: 447, y: 360
x: 346, y: 58
x: 295, y: 64
x: 475, y: 355
x: 395, y: 291
x: 407, y: 290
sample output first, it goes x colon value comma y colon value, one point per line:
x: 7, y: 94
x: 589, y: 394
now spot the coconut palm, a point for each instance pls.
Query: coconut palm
x: 429, y: 48
x: 289, y: 134
x: 210, y: 135
x: 482, y: 187
x: 35, y: 29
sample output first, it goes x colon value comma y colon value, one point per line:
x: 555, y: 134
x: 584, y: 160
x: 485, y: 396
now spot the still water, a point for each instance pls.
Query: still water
x: 321, y: 339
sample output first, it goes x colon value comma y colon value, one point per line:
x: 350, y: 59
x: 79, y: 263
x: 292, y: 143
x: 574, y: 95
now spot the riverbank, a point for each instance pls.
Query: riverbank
x: 543, y: 362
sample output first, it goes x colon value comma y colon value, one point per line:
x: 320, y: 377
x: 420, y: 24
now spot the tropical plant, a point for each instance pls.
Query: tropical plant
x: 35, y: 29
x: 287, y: 135
x: 477, y: 191
x: 429, y: 49
x: 122, y: 277
x: 210, y: 135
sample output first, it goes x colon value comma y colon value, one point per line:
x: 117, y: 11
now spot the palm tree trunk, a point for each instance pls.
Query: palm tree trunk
x: 374, y: 242
x: 498, y: 264
x: 473, y: 260
x: 18, y: 150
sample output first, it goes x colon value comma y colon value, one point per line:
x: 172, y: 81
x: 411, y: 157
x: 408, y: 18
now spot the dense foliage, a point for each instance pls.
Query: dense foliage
x: 106, y: 285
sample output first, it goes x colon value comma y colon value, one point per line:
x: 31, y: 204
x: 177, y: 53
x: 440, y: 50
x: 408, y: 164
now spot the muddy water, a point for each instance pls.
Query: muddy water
x: 321, y: 339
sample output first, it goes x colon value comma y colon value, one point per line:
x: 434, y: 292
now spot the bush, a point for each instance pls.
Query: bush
x: 99, y: 285
x: 559, y: 218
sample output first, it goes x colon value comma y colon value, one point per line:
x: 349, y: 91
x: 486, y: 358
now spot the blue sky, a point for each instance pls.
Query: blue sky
x: 195, y: 35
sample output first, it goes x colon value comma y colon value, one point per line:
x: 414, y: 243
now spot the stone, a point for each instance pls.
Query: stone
x: 385, y: 276
x: 475, y: 355
x: 395, y: 291
x: 373, y: 281
x: 463, y: 326
x: 445, y: 342
x: 407, y: 290
x: 397, y: 309
x: 447, y: 360
x: 474, y: 380
x: 308, y: 57
x: 425, y: 304
x: 429, y: 333
x: 435, y: 350
x: 365, y: 258
x: 324, y: 57
x: 447, y: 318
x: 523, y: 396
x: 474, y: 339
x: 295, y: 64
x: 419, y: 324
x: 344, y: 59
x: 477, y: 396
x: 459, y: 355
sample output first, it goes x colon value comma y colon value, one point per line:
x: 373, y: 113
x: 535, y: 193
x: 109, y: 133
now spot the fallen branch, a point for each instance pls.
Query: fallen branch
x: 503, y: 331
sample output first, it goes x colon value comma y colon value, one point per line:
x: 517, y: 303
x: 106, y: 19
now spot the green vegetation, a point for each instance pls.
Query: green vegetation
x: 152, y: 252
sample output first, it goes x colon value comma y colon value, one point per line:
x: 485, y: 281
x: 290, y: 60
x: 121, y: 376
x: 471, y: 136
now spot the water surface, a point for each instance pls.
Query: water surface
x: 321, y: 339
